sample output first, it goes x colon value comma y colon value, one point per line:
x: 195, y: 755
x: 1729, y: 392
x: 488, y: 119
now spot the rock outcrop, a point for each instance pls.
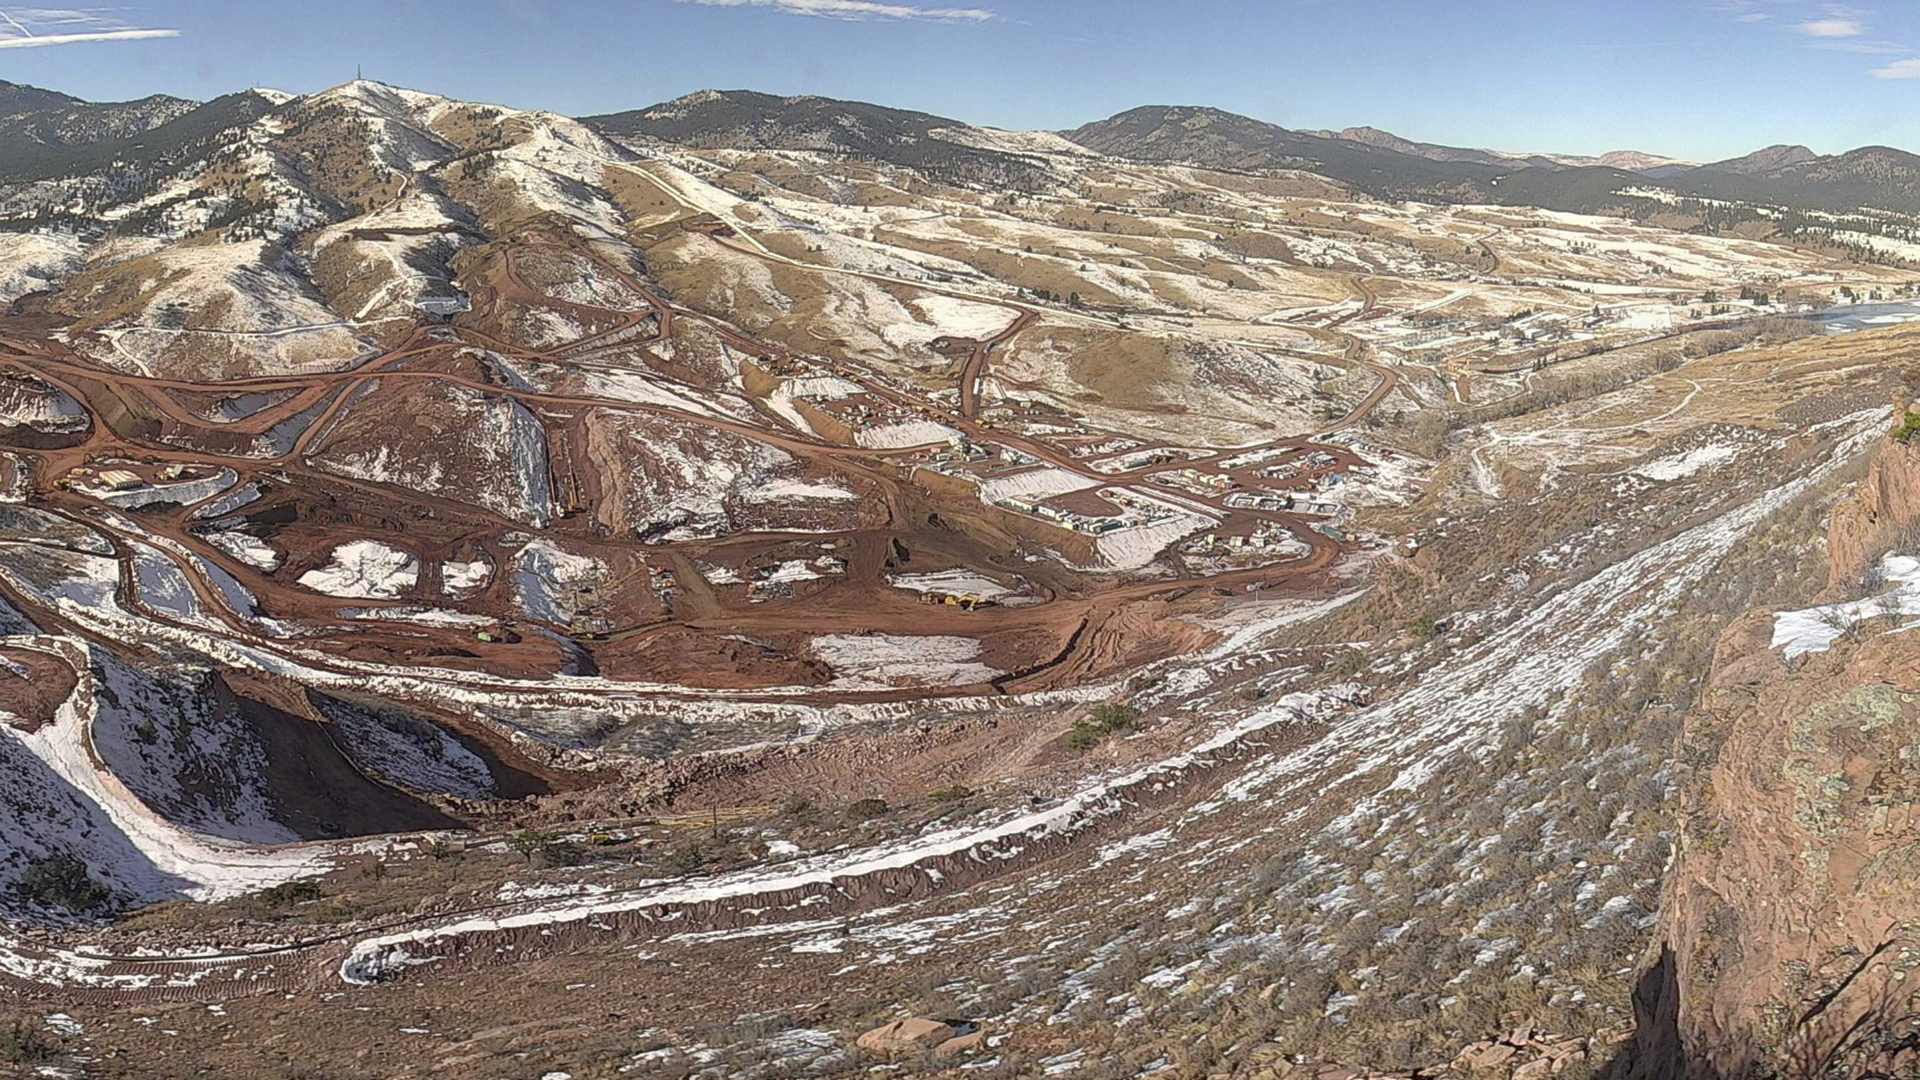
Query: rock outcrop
x: 1884, y: 507
x: 1787, y: 927
x: 912, y: 1033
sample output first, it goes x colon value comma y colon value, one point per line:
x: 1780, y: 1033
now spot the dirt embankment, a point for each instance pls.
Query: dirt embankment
x: 1787, y: 929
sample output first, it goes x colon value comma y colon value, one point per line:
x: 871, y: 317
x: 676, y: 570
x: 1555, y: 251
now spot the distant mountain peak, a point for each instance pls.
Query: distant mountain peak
x: 1634, y: 160
x: 1629, y: 160
x: 1777, y: 156
x: 37, y: 123
x: 19, y: 97
x: 745, y: 119
x: 1179, y: 112
x: 370, y: 91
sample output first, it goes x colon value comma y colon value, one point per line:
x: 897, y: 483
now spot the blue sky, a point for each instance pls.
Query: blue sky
x: 1693, y: 78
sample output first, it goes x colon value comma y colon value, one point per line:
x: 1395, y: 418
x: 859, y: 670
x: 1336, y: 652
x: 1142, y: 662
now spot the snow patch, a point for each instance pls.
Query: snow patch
x: 365, y: 570
x: 1815, y: 629
x: 888, y: 660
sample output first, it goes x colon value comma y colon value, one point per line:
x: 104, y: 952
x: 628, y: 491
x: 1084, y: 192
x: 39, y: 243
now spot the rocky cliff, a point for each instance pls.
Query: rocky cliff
x: 1884, y: 511
x: 1787, y: 942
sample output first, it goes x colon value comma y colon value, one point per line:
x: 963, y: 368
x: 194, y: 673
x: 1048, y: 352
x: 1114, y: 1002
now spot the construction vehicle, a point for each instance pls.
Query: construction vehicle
x: 963, y: 601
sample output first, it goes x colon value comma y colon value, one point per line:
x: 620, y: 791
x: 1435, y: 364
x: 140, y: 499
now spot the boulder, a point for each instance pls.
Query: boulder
x: 962, y: 1044
x: 1560, y: 1063
x: 913, y: 1033
x: 1538, y: 1069
x: 1492, y: 1057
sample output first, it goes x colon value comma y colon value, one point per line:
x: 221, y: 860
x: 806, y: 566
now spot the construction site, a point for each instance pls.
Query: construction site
x: 1070, y: 605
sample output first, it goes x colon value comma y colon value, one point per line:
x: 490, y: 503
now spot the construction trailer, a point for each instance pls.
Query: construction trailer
x: 443, y: 306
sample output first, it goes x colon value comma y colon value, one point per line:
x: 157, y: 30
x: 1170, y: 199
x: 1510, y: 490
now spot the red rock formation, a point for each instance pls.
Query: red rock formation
x: 1887, y: 501
x: 1787, y: 925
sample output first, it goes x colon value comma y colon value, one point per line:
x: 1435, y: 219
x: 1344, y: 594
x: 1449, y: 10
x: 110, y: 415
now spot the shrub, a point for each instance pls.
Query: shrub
x: 339, y: 910
x: 62, y: 881
x: 1112, y: 716
x: 691, y: 853
x: 867, y: 808
x: 1101, y: 721
x: 1084, y: 736
x: 951, y: 793
x: 22, y: 1044
x: 1908, y: 426
x: 543, y: 850
x: 279, y: 901
x: 291, y: 894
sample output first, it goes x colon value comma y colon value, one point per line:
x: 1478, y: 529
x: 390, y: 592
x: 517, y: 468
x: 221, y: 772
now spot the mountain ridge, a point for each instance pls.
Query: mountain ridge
x: 54, y: 119
x: 806, y: 122
x: 1630, y: 160
x: 44, y: 131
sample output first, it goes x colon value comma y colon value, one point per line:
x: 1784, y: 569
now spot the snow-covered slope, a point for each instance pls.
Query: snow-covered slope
x: 325, y: 216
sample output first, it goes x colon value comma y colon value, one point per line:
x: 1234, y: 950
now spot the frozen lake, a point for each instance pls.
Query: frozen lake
x: 1840, y: 320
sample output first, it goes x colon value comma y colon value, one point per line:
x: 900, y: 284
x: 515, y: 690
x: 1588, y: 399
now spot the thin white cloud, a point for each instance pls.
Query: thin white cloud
x: 1747, y: 11
x: 858, y: 10
x: 21, y: 42
x: 1870, y: 48
x: 1832, y: 27
x: 36, y: 28
x: 1899, y: 69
